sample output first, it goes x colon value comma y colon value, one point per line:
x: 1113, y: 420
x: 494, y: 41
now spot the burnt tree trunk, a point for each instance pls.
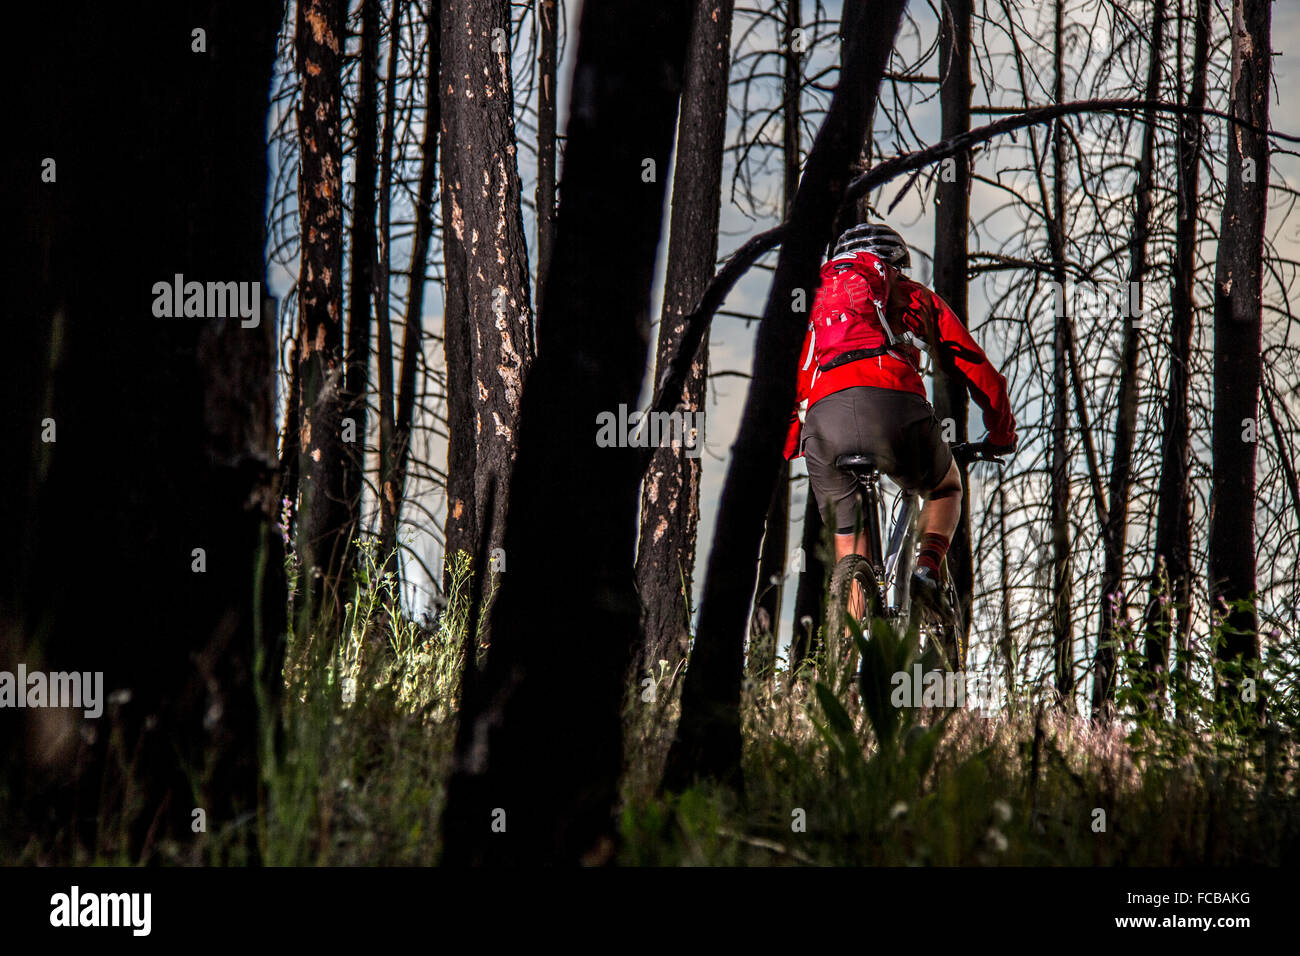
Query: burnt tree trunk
x: 707, y: 743
x: 1237, y: 361
x: 487, y: 287
x: 765, y: 622
x: 163, y: 433
x: 1112, y: 599
x: 670, y: 495
x: 323, y: 513
x: 951, y: 223
x: 356, y: 358
x: 290, y: 452
x: 460, y: 531
x: 1006, y: 643
x: 810, y: 594
x: 413, y: 328
x: 1061, y: 617
x: 1168, y: 611
x: 388, y: 501
x: 851, y: 213
x: 791, y: 109
x: 540, y: 737
x: 548, y: 33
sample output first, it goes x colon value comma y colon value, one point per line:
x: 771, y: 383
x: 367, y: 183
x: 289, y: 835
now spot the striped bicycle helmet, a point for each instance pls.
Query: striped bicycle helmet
x: 877, y: 239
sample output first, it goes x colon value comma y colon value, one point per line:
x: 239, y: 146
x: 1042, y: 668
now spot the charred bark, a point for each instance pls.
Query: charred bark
x: 1238, y: 327
x: 1168, y: 612
x: 164, y: 434
x: 384, y: 397
x: 413, y: 328
x: 765, y: 621
x: 1113, y: 601
x: 488, y: 309
x: 764, y: 625
x: 356, y: 358
x: 1061, y: 616
x: 323, y: 515
x: 814, y: 579
x: 548, y: 33
x: 952, y: 217
x: 707, y: 742
x: 670, y: 495
x: 541, y: 735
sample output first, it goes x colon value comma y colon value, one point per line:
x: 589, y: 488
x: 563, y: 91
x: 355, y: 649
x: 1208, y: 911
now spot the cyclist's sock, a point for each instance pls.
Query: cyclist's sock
x: 933, y: 547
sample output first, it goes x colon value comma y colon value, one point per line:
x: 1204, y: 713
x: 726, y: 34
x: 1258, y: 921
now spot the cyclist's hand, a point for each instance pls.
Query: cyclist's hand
x: 993, y: 448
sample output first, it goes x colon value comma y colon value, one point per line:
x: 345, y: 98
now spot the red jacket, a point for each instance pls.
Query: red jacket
x: 918, y: 314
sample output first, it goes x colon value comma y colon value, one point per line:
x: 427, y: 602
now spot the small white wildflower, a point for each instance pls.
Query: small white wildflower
x: 349, y: 690
x: 996, y: 840
x: 1002, y: 810
x: 897, y: 810
x: 213, y: 716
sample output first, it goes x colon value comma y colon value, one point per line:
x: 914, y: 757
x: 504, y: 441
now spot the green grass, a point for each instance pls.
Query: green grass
x: 369, y: 723
x: 832, y: 778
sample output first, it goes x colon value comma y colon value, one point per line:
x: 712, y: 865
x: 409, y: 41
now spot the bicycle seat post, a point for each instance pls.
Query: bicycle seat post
x: 867, y: 475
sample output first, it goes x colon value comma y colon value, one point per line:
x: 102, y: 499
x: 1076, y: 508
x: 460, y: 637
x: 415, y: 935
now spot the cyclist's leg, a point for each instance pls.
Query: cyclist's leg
x: 926, y: 466
x: 830, y: 431
x: 850, y: 543
x: 942, y: 507
x: 938, y: 481
x: 939, y: 516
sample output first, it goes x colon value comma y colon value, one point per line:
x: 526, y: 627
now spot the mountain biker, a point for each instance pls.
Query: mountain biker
x: 860, y: 383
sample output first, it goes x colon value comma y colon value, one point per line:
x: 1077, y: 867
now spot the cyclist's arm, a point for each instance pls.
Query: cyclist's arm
x: 984, y: 382
x: 803, y: 389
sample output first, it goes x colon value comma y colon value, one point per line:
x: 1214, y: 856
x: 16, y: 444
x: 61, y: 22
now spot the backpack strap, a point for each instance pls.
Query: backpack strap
x: 854, y: 355
x: 884, y: 324
x: 894, y: 344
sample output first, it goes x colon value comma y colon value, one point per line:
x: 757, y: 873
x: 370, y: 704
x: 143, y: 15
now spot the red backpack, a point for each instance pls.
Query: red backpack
x: 848, y: 316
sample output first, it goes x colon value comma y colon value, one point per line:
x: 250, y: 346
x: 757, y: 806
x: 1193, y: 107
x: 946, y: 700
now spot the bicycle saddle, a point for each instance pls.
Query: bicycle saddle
x: 856, y: 463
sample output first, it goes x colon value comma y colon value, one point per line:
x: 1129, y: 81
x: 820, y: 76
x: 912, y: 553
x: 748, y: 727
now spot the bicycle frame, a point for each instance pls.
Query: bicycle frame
x: 892, y: 567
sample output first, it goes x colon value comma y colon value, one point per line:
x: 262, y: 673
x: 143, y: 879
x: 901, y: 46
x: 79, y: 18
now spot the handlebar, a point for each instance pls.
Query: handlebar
x: 969, y: 451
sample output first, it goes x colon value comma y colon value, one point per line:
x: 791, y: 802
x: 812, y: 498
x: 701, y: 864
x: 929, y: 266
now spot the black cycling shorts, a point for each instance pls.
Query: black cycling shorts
x: 896, y: 428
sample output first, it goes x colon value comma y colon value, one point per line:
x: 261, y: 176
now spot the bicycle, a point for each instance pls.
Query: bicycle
x: 885, y: 576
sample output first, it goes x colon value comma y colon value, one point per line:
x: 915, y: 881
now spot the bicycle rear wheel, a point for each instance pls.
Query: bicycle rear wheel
x: 845, y: 607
